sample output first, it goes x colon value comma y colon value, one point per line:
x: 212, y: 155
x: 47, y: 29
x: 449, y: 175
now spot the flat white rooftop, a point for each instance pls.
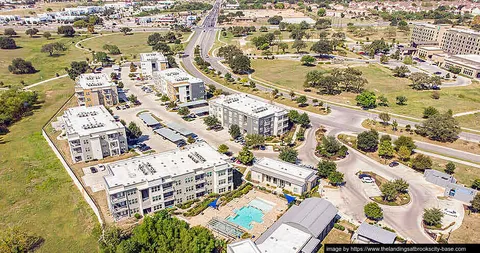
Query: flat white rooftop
x: 285, y: 239
x: 153, y: 56
x: 430, y: 48
x: 91, y: 80
x: 282, y: 168
x: 248, y: 105
x: 298, y: 20
x: 167, y: 164
x: 244, y: 246
x: 469, y: 57
x: 84, y: 121
x: 176, y: 75
x: 469, y: 31
x: 469, y: 60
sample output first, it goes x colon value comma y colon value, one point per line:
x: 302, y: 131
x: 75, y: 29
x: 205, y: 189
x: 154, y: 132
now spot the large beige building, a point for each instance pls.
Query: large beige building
x: 178, y: 85
x: 152, y: 62
x: 93, y: 133
x: 96, y: 89
x: 469, y: 65
x: 461, y: 41
x: 427, y: 34
x: 157, y: 181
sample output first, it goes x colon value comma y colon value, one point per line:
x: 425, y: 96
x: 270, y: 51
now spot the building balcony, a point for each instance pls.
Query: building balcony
x: 168, y: 198
x: 116, y: 200
x: 120, y: 208
x: 168, y: 189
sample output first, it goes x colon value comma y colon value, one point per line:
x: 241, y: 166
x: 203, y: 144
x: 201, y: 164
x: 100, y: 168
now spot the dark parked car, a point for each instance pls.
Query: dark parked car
x: 363, y: 175
x: 393, y: 164
x: 93, y: 170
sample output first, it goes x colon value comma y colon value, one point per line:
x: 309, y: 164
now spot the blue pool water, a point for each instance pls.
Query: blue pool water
x: 254, y: 211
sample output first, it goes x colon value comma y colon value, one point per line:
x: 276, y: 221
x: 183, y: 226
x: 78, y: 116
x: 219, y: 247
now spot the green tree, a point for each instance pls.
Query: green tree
x: 303, y: 120
x: 386, y: 150
x: 326, y: 167
x: 404, y: 141
x: 302, y: 100
x: 421, y: 162
x: 385, y: 117
x: 389, y: 192
x: 47, y: 35
x: 77, y: 68
x: 66, y: 30
x: 330, y: 145
x: 366, y: 99
x: 20, y: 66
x: 125, y: 30
x: 432, y: 217
x: 101, y: 57
x: 164, y: 98
x: 373, y: 211
x: 335, y: 178
x: 282, y: 46
x: 440, y: 127
x: 254, y: 140
x: 32, y: 32
x: 476, y: 184
x: 400, y: 185
x: 111, y: 238
x: 367, y: 141
x: 322, y: 46
x: 184, y: 111
x: 245, y: 156
x: 384, y: 59
x: 9, y: 32
x: 429, y: 111
x: 240, y: 64
x: 7, y: 43
x: 14, y: 240
x: 401, y: 71
x: 211, y: 121
x: 404, y: 153
x: 234, y: 131
x: 132, y: 98
x: 401, y: 100
x: 55, y: 47
x: 298, y: 45
x: 134, y: 131
x: 288, y: 154
x: 450, y: 168
x: 476, y: 203
x: 321, y: 12
x: 223, y: 148
x: 307, y: 60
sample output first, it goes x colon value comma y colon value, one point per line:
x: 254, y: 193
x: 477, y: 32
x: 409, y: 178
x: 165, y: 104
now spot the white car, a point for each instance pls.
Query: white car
x: 450, y: 212
x: 368, y: 180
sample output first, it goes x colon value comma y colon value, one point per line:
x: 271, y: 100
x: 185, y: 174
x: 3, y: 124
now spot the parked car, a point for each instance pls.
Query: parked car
x: 93, y: 170
x: 262, y: 147
x: 117, y: 107
x: 363, y: 175
x: 368, y: 180
x: 450, y: 212
x: 438, y: 73
x: 145, y: 148
x: 393, y: 164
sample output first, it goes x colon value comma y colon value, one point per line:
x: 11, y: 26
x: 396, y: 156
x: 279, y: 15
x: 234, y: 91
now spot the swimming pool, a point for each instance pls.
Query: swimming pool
x: 253, y: 212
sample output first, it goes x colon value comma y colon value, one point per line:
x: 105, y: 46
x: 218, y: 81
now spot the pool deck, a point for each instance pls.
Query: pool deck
x: 228, y: 210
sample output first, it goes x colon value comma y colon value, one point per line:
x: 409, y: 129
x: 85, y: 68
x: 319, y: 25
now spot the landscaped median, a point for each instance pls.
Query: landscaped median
x: 394, y: 193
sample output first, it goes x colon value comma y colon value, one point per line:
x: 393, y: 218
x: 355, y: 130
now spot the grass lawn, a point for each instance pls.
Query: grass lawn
x: 130, y: 45
x: 468, y: 232
x: 40, y: 7
x: 379, y: 33
x: 470, y: 121
x: 36, y: 192
x: 291, y: 74
x: 335, y: 237
x: 47, y: 66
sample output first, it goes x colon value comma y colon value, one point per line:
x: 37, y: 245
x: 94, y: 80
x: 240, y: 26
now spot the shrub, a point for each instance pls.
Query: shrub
x: 339, y: 227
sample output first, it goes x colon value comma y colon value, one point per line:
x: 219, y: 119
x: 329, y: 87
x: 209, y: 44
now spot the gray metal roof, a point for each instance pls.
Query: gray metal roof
x: 193, y: 103
x: 312, y: 216
x: 178, y: 128
x: 148, y: 119
x: 376, y: 233
x: 169, y: 134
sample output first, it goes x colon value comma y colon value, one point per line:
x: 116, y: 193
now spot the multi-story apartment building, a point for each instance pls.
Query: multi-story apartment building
x: 93, y: 133
x: 153, y: 182
x: 461, y: 41
x: 96, y: 89
x: 427, y: 34
x: 284, y: 175
x: 178, y: 85
x: 251, y: 115
x: 152, y: 62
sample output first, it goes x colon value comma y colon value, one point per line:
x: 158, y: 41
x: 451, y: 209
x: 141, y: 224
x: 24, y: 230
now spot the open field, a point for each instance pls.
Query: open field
x: 291, y: 74
x: 47, y: 66
x: 468, y: 232
x: 130, y: 45
x: 470, y: 121
x: 40, y: 7
x: 335, y: 237
x: 379, y: 33
x: 36, y: 192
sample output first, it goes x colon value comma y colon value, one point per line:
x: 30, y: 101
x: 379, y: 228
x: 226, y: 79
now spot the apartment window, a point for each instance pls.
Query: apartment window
x: 221, y: 181
x: 179, y: 201
x: 189, y: 188
x: 190, y: 197
x: 221, y: 173
x: 156, y: 198
x: 85, y: 141
x: 222, y: 190
x: 157, y: 207
x: 188, y: 180
x: 156, y: 188
x: 179, y: 191
x: 178, y: 182
x: 132, y: 201
x: 130, y: 193
x: 208, y: 174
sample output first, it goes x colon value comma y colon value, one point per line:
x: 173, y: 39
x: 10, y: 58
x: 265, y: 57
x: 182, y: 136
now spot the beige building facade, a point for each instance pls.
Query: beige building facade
x: 96, y: 89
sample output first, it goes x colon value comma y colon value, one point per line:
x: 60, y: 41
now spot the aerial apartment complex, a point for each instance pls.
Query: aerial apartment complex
x: 154, y: 182
x: 284, y: 175
x: 96, y: 89
x: 251, y: 115
x: 178, y: 85
x: 152, y: 62
x: 93, y: 133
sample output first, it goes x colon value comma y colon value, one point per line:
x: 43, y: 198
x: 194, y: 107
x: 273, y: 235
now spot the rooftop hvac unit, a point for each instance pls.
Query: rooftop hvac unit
x: 197, y: 155
x: 151, y: 168
x: 193, y: 158
x: 260, y: 109
x: 141, y: 167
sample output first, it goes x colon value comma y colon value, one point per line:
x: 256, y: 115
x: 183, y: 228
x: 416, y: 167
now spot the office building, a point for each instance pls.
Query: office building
x: 96, y: 89
x: 93, y: 133
x: 251, y: 115
x: 152, y: 62
x: 427, y: 34
x: 301, y: 229
x: 283, y: 175
x: 157, y: 181
x: 461, y: 41
x: 469, y: 65
x: 179, y: 86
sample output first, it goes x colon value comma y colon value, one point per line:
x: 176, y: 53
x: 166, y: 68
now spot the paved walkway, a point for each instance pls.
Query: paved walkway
x: 465, y: 113
x: 44, y: 81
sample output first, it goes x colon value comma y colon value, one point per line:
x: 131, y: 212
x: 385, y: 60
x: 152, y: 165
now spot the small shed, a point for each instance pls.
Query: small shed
x: 367, y: 233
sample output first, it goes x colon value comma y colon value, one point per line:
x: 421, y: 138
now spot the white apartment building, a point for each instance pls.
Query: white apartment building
x: 283, y: 175
x: 424, y: 34
x: 154, y: 182
x: 93, y: 133
x: 178, y: 85
x: 461, y: 41
x: 152, y: 62
x: 96, y: 89
x: 251, y: 115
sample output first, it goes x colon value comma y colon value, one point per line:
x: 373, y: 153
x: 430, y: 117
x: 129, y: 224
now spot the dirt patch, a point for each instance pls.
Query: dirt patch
x: 468, y: 232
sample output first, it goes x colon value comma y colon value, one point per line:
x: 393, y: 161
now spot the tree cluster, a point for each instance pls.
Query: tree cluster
x: 368, y: 141
x: 112, y: 49
x: 7, y: 43
x: 391, y: 190
x: 20, y: 66
x: 328, y: 169
x: 288, y: 154
x: 297, y: 118
x: 422, y: 81
x: 55, y: 47
x: 77, y: 68
x: 66, y: 30
x: 439, y: 127
x: 234, y: 57
x: 339, y: 80
x: 15, y: 105
x: 330, y: 147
